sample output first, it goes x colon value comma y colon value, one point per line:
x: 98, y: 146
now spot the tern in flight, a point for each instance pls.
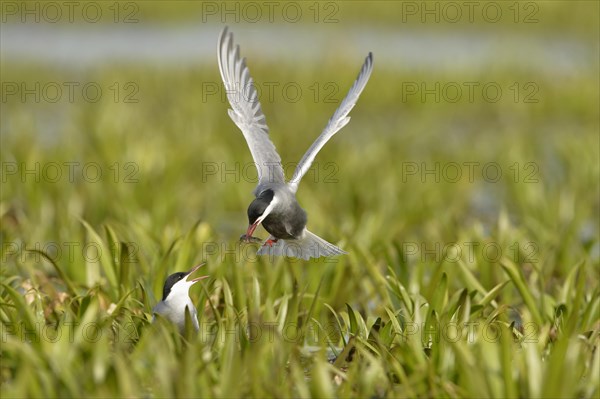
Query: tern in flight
x: 275, y: 206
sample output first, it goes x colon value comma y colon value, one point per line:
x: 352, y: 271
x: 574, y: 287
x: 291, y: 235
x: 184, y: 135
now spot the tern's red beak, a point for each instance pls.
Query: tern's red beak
x: 251, y: 228
x: 193, y: 270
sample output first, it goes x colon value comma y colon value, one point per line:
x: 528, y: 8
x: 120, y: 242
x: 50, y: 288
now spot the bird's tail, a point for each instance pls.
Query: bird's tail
x: 310, y: 246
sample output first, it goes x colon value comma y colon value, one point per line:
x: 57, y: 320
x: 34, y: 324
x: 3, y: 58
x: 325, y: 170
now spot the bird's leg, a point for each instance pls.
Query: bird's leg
x: 270, y: 241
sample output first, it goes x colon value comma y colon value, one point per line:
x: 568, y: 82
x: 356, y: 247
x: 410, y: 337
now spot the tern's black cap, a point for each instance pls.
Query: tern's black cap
x: 171, y: 281
x: 258, y: 206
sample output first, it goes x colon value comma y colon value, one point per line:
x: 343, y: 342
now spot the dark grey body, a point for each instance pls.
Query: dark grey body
x: 287, y: 224
x: 287, y: 219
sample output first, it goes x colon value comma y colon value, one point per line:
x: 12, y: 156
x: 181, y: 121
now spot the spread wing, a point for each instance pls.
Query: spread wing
x: 339, y: 119
x: 246, y: 111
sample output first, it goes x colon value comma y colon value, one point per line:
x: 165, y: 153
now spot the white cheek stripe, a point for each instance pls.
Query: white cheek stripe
x: 269, y: 209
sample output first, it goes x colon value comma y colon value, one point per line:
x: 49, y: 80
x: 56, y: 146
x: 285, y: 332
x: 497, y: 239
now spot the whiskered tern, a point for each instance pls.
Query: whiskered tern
x: 275, y: 206
x: 176, y: 299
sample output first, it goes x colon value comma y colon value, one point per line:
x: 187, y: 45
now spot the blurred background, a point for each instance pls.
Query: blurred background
x: 465, y: 188
x: 477, y: 117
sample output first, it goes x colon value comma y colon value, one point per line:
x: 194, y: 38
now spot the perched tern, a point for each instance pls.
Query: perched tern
x: 275, y: 206
x: 176, y: 299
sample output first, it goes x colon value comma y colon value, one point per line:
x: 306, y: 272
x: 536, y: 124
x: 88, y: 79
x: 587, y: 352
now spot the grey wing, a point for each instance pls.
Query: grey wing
x: 246, y: 111
x: 159, y: 308
x: 339, y: 119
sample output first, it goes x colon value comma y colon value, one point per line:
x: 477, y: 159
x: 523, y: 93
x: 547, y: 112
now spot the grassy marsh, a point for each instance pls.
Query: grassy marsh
x: 471, y: 226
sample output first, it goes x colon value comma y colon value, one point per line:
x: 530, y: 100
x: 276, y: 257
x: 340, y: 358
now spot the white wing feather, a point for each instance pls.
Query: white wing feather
x: 246, y: 111
x: 339, y: 119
